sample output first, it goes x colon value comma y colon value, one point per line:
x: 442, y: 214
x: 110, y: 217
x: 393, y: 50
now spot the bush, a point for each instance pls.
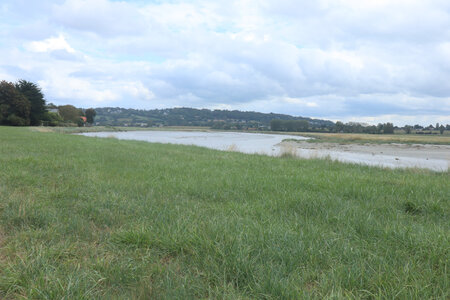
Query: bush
x: 17, y: 121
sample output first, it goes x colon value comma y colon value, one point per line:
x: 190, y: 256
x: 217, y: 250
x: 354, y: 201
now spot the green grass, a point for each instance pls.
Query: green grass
x: 70, y: 130
x: 91, y: 218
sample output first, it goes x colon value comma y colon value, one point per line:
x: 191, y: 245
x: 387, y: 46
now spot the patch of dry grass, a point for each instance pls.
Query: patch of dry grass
x: 232, y: 148
x: 377, y: 138
x: 288, y: 151
x: 42, y: 129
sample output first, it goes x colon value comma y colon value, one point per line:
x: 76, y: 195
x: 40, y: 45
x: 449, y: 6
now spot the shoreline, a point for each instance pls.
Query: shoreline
x: 429, y: 156
x: 423, y: 156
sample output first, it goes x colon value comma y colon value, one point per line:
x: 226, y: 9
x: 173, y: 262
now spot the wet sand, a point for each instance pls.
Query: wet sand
x: 433, y: 157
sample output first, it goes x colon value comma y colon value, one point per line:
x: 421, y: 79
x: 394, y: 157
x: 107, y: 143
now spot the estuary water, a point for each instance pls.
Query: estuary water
x: 250, y: 143
x: 433, y: 157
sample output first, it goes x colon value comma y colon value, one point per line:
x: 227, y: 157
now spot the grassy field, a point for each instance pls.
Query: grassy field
x: 91, y: 218
x: 70, y: 130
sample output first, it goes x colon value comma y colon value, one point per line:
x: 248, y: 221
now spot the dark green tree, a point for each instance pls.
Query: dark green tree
x: 388, y: 128
x: 90, y: 115
x: 34, y: 94
x: 301, y: 125
x: 14, y: 106
x: 289, y: 125
x: 69, y: 113
x: 80, y: 123
x: 339, y: 126
x: 52, y: 119
x: 408, y: 129
x: 276, y: 125
x: 370, y: 129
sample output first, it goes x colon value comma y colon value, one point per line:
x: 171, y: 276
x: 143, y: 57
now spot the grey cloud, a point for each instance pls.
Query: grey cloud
x: 25, y: 9
x: 30, y: 32
x: 376, y: 106
x: 64, y: 55
x: 100, y: 17
x: 89, y: 74
x: 216, y: 81
x: 21, y: 73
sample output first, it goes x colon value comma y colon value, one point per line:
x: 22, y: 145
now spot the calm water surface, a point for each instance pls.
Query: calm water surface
x: 236, y: 141
x: 268, y: 144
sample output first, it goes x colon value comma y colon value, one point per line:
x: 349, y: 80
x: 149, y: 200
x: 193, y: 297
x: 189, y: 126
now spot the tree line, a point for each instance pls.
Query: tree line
x: 184, y: 116
x: 289, y: 125
x: 427, y: 129
x: 354, y: 127
x: 305, y: 126
x: 388, y: 128
x: 23, y: 104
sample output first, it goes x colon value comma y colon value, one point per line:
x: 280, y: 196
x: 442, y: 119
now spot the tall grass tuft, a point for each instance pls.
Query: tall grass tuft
x: 288, y: 151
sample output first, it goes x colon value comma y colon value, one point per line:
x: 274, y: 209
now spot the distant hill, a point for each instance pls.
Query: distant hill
x: 224, y: 119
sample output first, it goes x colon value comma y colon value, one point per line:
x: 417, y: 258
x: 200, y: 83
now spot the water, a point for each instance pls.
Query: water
x: 237, y: 141
x: 269, y: 144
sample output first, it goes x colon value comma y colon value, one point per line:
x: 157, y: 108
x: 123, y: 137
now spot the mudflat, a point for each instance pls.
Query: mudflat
x: 435, y: 157
x: 408, y: 150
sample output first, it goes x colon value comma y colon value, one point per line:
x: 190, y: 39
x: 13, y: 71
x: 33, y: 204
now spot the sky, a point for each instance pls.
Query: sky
x: 350, y: 60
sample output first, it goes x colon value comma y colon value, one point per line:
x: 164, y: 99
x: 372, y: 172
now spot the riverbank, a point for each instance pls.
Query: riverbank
x: 434, y: 157
x: 341, y: 138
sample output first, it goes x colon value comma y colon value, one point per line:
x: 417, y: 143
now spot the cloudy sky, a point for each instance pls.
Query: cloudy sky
x: 351, y: 60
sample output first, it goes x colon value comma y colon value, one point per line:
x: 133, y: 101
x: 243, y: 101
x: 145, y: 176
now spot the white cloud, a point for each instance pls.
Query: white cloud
x: 137, y: 90
x: 67, y: 88
x: 50, y: 44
